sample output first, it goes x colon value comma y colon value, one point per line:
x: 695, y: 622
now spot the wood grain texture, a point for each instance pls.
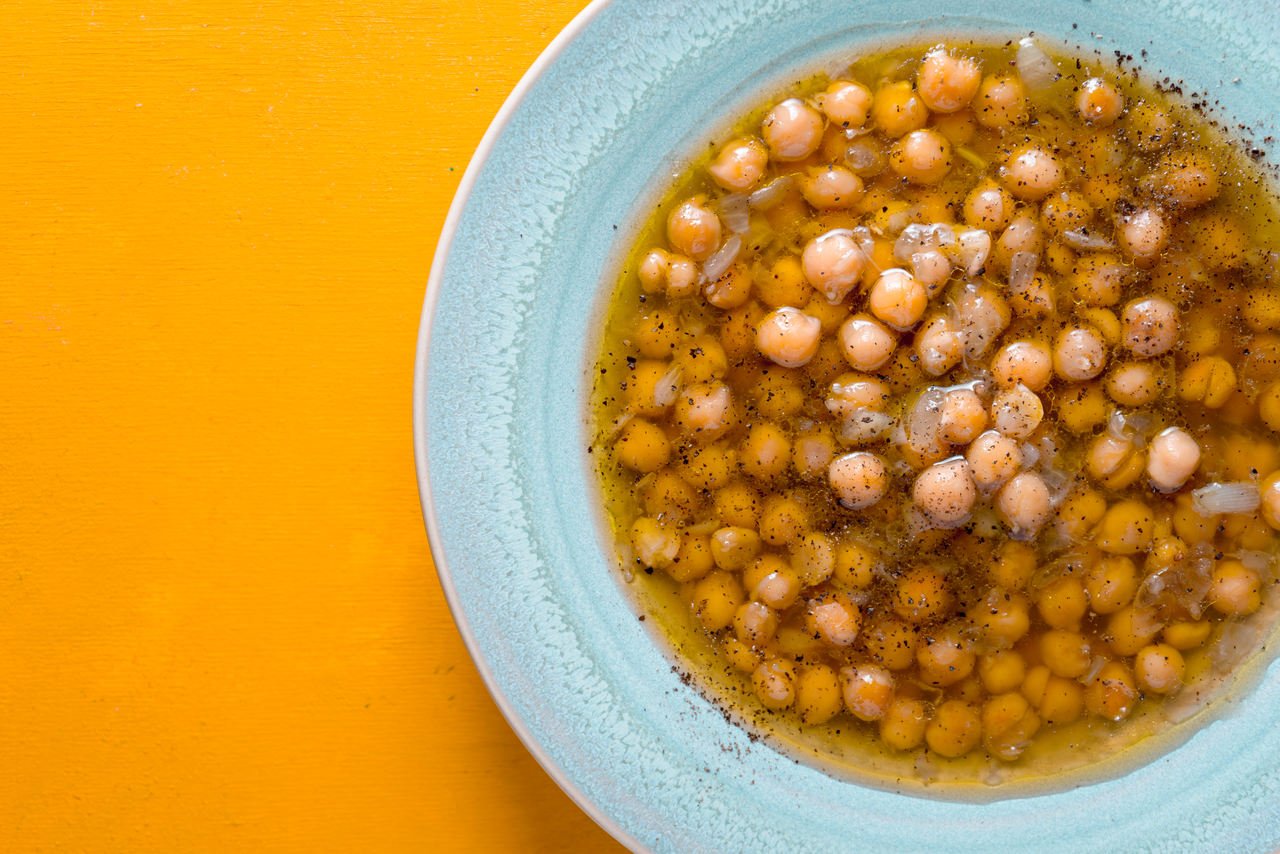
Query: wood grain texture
x: 219, y: 625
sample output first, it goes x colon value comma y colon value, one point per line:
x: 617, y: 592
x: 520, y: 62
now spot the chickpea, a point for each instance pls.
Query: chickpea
x: 1031, y: 173
x: 811, y: 453
x: 1081, y: 512
x: 1058, y: 699
x: 921, y: 596
x: 859, y: 479
x: 988, y: 206
x: 1024, y: 504
x: 835, y: 621
x: 1063, y: 602
x: 784, y: 284
x: 652, y: 388
x: 740, y: 165
x: 1001, y: 102
x: 788, y: 337
x: 1022, y: 234
x: 833, y: 263
x: 1082, y: 407
x: 656, y: 334
x: 1187, y: 179
x: 955, y: 729
x: 946, y: 657
x: 959, y: 127
x: 993, y: 459
x: 1002, y: 671
x: 947, y: 83
x: 866, y: 342
x: 897, y: 109
x: 682, y: 277
x: 1150, y: 327
x: 1159, y: 668
x: 737, y: 505
x: 778, y: 589
x: 817, y: 694
x: 642, y: 446
x: 898, y: 299
x: 1127, y: 528
x: 766, y: 452
x: 775, y: 683
x: 1097, y: 280
x: 891, y: 642
x: 693, y: 561
x: 1111, y: 583
x: 1008, y: 724
x: 705, y: 411
x: 922, y: 157
x: 1027, y: 363
x: 945, y: 492
x: 1112, y: 693
x: 1115, y: 462
x: 734, y: 548
x: 653, y: 543
x: 1003, y: 618
x: 831, y: 187
x: 1015, y: 562
x: 868, y: 691
x: 1185, y: 635
x: 1143, y: 234
x: 1235, y: 590
x: 708, y: 467
x: 813, y: 558
x: 730, y: 290
x: 792, y: 130
x: 716, y: 598
x: 1079, y: 353
x: 694, y: 229
x: 851, y: 392
x: 703, y: 361
x: 1134, y: 384
x: 667, y: 495
x: 1149, y: 127
x: 939, y: 345
x: 962, y: 417
x: 1269, y: 407
x: 846, y: 103
x: 1016, y: 412
x: 1065, y: 653
x: 1209, y: 380
x: 984, y: 315
x: 904, y: 722
x: 755, y: 623
x: 1174, y: 456
x: 1098, y: 102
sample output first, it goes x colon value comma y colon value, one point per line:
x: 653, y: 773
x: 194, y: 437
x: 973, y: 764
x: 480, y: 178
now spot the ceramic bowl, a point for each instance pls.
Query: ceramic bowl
x: 532, y: 244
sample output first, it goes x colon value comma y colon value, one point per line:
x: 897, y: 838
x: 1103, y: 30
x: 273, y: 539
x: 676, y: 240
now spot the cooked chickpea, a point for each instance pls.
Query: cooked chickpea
x: 1235, y: 589
x: 866, y: 343
x: 831, y: 187
x: 1112, y: 693
x: 897, y: 109
x: 1003, y: 618
x: 1149, y: 127
x: 1210, y: 381
x: 868, y: 691
x: 1111, y: 583
x: 1032, y: 173
x: 1187, y: 179
x: 1008, y: 724
x: 1001, y: 102
x: 963, y: 417
x: 792, y: 130
x: 993, y: 459
x: 955, y: 729
x: 1098, y: 280
x: 766, y: 452
x: 1065, y: 653
x: 945, y: 492
x: 811, y: 453
x: 1269, y: 407
x: 694, y: 229
x: 946, y: 657
x: 922, y: 157
x: 775, y: 683
x: 1098, y: 102
x: 946, y: 82
x: 642, y: 446
x: 1159, y: 668
x: 846, y: 103
x: 833, y: 263
x: 988, y: 206
x: 1127, y: 528
x: 1002, y: 670
x: 716, y: 599
x: 1134, y: 384
x: 1143, y: 234
x: 859, y: 479
x: 734, y: 548
x: 1025, y: 504
x: 1016, y: 412
x: 817, y: 694
x: 740, y: 165
x: 836, y: 621
x: 921, y: 596
x: 1174, y: 456
x: 813, y: 558
x: 653, y: 543
x: 904, y: 723
x: 705, y: 411
x: 754, y: 623
x: 788, y: 337
x: 1026, y: 363
x: 1184, y: 636
x: 898, y: 299
x: 939, y: 345
x: 1079, y: 353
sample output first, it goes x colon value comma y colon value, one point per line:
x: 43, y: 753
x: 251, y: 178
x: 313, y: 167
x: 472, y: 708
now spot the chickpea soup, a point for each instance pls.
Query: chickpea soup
x: 938, y: 416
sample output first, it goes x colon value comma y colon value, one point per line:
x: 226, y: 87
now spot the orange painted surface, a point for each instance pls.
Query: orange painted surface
x: 219, y: 625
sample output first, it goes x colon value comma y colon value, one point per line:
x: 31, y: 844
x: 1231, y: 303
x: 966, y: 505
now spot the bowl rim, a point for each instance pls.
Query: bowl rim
x: 426, y: 497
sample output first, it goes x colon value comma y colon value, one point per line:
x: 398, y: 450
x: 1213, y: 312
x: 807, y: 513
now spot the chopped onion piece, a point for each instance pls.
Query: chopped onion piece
x: 864, y: 426
x: 975, y: 248
x: 715, y: 266
x: 735, y: 213
x: 1095, y: 667
x: 770, y: 194
x: 1080, y: 238
x: 864, y: 157
x: 1258, y: 561
x: 862, y: 236
x: 917, y: 237
x: 1022, y: 267
x: 1218, y: 498
x: 1037, y: 70
x: 667, y: 388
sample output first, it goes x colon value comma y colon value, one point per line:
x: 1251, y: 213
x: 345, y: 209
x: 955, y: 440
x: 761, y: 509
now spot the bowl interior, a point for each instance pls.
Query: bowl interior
x: 567, y: 174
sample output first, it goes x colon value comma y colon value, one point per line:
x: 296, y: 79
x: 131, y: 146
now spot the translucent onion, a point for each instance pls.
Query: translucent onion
x: 1081, y: 239
x: 1037, y: 70
x: 772, y: 193
x: 1022, y: 267
x: 667, y: 388
x: 735, y: 213
x: 864, y: 426
x: 975, y: 248
x: 917, y: 237
x: 1215, y: 498
x: 716, y: 266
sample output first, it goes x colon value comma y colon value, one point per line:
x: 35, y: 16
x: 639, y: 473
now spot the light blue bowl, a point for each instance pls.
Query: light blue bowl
x: 533, y: 241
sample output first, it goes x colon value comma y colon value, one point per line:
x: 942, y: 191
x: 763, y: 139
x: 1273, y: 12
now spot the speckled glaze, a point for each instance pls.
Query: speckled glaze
x: 531, y: 246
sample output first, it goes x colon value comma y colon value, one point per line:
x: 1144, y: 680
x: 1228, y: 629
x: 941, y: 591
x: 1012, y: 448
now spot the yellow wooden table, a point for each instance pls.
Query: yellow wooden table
x: 219, y: 624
